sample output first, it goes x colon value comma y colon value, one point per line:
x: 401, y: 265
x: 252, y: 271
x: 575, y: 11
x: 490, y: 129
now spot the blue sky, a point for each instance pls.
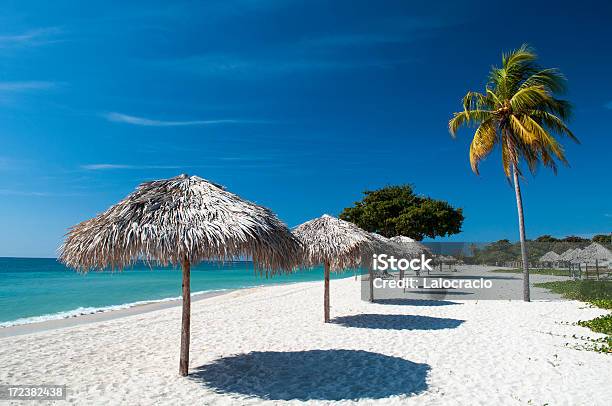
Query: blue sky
x: 296, y: 105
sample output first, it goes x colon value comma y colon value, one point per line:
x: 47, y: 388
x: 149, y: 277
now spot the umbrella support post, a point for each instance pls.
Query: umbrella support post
x: 371, y: 280
x: 326, y: 295
x: 186, y: 319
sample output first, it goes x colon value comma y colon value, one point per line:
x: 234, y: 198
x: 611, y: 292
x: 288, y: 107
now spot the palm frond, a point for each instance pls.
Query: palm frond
x: 521, y: 56
x: 545, y: 139
x: 506, y: 156
x: 483, y: 143
x: 551, y: 79
x: 529, y: 98
x: 471, y: 117
x: 552, y: 122
x: 474, y: 101
x: 522, y: 133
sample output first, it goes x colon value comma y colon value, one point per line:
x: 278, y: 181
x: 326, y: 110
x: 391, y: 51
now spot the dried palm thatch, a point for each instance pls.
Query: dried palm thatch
x: 574, y: 256
x: 182, y: 220
x: 445, y: 259
x: 550, y: 256
x: 384, y: 245
x: 335, y: 243
x: 568, y: 255
x: 186, y: 217
x: 412, y: 247
x: 594, y: 254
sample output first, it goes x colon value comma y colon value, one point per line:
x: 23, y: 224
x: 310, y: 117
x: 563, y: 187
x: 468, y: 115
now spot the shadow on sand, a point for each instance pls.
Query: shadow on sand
x: 415, y: 302
x: 314, y: 375
x: 397, y: 322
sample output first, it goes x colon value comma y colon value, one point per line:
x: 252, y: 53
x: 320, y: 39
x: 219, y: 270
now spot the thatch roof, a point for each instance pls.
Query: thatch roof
x: 574, y: 256
x: 594, y: 253
x: 412, y: 246
x: 186, y: 217
x: 550, y: 256
x: 445, y: 259
x: 568, y: 255
x: 337, y: 242
x: 384, y: 245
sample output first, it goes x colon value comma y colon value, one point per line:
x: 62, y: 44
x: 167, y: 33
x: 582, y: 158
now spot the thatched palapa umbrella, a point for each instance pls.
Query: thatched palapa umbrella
x: 550, y: 256
x: 595, y: 255
x: 335, y: 243
x: 412, y: 246
x: 181, y: 221
x: 383, y: 245
x: 567, y: 255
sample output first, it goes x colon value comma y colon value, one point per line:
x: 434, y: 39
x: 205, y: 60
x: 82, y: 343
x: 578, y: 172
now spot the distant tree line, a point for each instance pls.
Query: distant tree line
x: 505, y: 251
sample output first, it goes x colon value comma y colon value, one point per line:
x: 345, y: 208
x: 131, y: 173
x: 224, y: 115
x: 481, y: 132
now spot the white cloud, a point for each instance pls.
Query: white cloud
x: 102, y: 167
x: 147, y: 122
x: 34, y: 37
x: 26, y: 85
x: 12, y: 192
x: 223, y: 65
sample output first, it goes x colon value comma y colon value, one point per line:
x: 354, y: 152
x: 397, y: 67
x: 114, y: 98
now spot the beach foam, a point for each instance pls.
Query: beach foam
x: 82, y: 311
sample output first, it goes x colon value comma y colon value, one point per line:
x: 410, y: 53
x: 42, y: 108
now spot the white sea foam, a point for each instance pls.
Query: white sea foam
x: 81, y: 311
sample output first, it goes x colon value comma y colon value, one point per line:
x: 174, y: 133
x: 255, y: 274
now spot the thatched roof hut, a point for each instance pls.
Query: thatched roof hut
x: 574, y: 256
x: 384, y: 245
x: 412, y: 247
x: 335, y: 243
x: 550, y: 256
x: 568, y: 255
x: 185, y: 217
x: 445, y: 259
x: 181, y: 221
x: 594, y: 254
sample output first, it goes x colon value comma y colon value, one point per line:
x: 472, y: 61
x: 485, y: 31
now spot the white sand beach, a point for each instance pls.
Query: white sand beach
x: 268, y: 345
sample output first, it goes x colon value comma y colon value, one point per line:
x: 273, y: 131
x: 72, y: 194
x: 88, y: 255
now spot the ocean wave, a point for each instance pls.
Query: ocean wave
x: 82, y: 311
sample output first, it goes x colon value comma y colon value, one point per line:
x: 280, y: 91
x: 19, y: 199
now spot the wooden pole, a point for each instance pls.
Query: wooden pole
x: 326, y: 295
x: 186, y: 321
x: 597, y: 268
x: 371, y: 280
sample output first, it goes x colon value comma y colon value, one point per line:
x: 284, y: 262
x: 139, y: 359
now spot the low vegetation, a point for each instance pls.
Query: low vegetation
x: 597, y: 293
x: 554, y: 272
x: 602, y: 324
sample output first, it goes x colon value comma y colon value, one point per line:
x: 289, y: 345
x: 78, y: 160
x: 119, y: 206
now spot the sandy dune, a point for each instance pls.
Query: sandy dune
x: 269, y: 345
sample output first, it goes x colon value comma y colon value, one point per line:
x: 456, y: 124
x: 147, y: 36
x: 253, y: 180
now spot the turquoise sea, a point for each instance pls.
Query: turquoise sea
x: 36, y: 289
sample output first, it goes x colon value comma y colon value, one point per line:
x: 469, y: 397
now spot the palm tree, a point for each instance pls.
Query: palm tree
x: 519, y: 112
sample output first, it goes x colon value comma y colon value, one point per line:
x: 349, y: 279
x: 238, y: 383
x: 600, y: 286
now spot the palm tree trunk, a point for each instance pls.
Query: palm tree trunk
x: 186, y: 321
x: 521, y: 219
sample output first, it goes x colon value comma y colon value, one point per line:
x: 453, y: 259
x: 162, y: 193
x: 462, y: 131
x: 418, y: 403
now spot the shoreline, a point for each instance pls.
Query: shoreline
x: 114, y: 312
x: 111, y: 313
